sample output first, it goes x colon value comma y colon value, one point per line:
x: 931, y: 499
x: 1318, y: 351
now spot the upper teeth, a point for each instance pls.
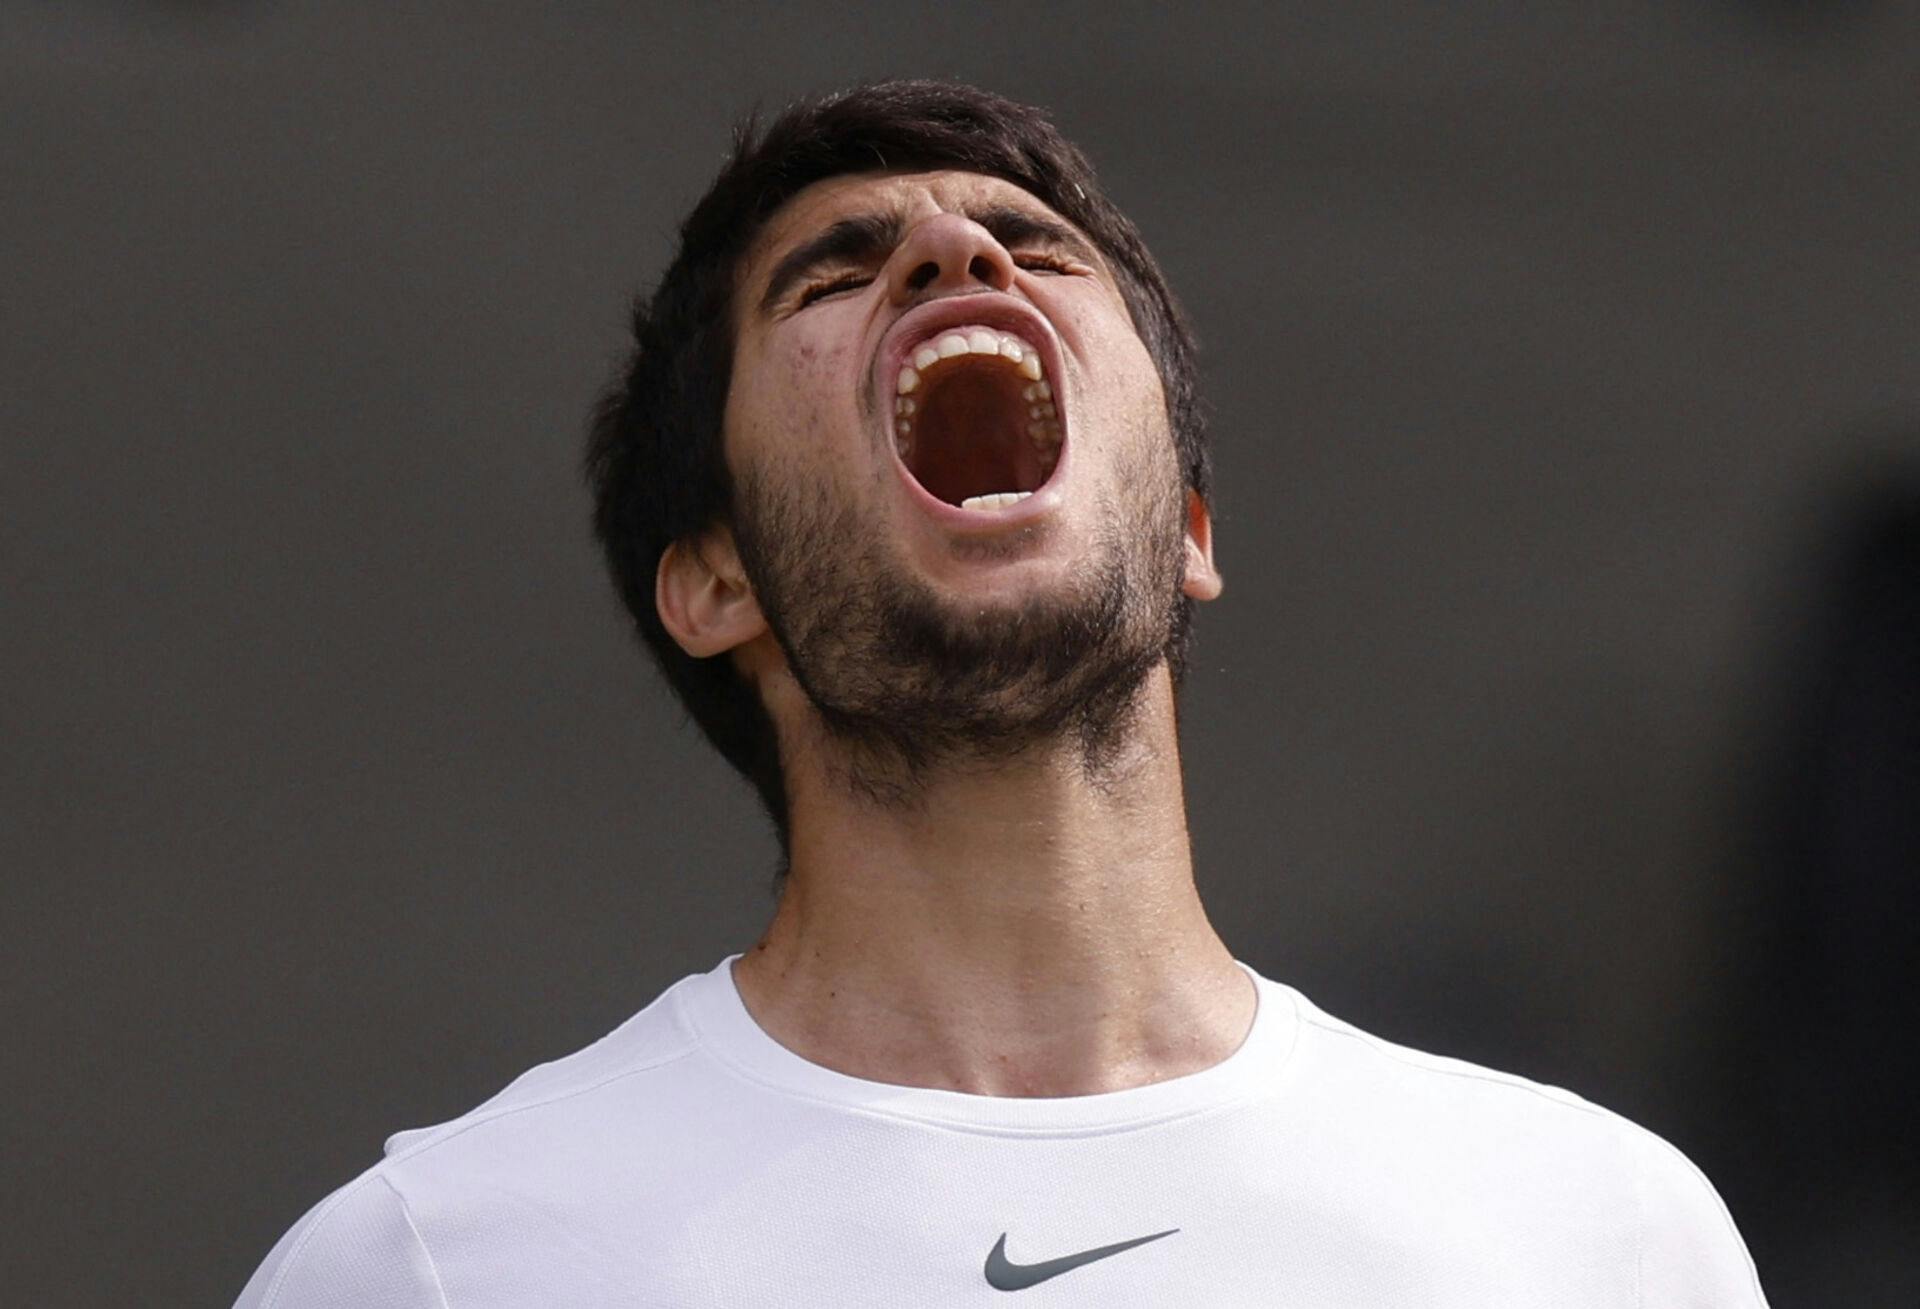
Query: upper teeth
x: 968, y: 340
x: 1043, y: 426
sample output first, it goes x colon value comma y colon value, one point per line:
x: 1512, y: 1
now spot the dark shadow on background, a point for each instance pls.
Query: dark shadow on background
x: 1812, y: 1135
x: 1807, y: 18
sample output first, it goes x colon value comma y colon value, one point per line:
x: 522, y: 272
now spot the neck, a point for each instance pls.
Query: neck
x: 1027, y: 929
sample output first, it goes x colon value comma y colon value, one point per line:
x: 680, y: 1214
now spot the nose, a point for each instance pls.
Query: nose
x: 944, y: 254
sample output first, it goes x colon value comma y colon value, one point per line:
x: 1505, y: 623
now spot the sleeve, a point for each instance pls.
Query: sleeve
x: 1691, y: 1255
x: 357, y: 1248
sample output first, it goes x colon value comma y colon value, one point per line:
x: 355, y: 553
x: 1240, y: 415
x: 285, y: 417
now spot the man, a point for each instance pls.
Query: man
x: 907, y: 490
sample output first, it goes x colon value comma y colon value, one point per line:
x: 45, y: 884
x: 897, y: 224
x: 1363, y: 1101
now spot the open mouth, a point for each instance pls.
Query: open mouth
x: 974, y: 418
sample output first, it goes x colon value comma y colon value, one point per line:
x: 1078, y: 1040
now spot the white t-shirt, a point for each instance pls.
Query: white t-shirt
x: 688, y: 1159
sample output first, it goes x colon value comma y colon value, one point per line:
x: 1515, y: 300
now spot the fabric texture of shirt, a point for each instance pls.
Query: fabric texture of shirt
x: 689, y: 1160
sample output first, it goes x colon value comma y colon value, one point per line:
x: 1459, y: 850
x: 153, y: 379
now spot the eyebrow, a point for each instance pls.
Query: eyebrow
x: 850, y: 240
x: 866, y: 238
x: 1011, y: 226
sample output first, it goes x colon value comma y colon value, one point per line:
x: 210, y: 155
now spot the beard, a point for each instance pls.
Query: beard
x: 907, y: 684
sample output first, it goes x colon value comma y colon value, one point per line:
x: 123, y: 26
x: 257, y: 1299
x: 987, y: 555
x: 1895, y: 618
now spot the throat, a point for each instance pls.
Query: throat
x: 974, y: 435
x: 1020, y: 929
x: 1084, y: 991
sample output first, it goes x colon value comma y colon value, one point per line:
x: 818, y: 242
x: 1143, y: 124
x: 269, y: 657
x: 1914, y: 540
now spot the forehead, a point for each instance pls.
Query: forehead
x: 911, y: 195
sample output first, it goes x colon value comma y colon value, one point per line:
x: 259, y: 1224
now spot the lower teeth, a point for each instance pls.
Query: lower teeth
x: 997, y: 500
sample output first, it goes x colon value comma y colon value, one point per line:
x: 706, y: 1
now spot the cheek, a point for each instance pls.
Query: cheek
x: 1103, y: 348
x: 795, y: 412
x: 832, y: 371
x: 806, y: 373
x: 806, y: 376
x: 1124, y: 347
x: 1119, y: 380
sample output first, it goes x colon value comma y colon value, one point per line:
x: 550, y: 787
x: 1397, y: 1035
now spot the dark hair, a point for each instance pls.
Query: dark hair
x: 654, y: 456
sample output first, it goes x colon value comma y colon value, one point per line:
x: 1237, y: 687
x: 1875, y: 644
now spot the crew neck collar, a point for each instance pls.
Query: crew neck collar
x: 712, y: 1007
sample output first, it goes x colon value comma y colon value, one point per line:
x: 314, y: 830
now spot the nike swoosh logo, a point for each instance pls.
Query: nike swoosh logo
x: 1005, y: 1275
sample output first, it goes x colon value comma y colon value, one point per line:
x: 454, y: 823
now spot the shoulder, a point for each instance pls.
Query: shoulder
x: 1555, y: 1152
x: 359, y: 1246
x: 653, y: 1039
x: 1690, y: 1251
x: 370, y: 1242
x: 1398, y: 1088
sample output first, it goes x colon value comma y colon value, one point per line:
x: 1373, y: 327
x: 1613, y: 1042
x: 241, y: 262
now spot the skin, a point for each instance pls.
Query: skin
x: 1024, y: 927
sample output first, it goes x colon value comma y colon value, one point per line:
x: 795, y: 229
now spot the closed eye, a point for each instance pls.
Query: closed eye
x: 834, y: 286
x: 1046, y: 262
x: 1032, y: 261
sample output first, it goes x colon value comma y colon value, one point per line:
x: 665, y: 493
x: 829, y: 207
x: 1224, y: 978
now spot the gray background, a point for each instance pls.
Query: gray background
x: 1547, y: 343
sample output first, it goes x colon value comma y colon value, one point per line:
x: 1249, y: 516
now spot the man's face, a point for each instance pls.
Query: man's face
x: 959, y: 500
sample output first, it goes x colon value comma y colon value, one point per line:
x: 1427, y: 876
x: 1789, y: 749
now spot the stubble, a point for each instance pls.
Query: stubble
x: 904, y: 687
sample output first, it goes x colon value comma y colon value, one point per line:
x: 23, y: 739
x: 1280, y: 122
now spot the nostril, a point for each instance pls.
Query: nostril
x: 917, y: 280
x: 982, y: 269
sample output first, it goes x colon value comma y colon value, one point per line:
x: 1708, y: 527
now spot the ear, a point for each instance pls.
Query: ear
x: 703, y: 596
x: 1203, y: 581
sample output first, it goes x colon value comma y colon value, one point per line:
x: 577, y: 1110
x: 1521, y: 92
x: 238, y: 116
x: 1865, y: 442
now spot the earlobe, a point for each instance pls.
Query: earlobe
x: 703, y: 597
x: 1203, y: 580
